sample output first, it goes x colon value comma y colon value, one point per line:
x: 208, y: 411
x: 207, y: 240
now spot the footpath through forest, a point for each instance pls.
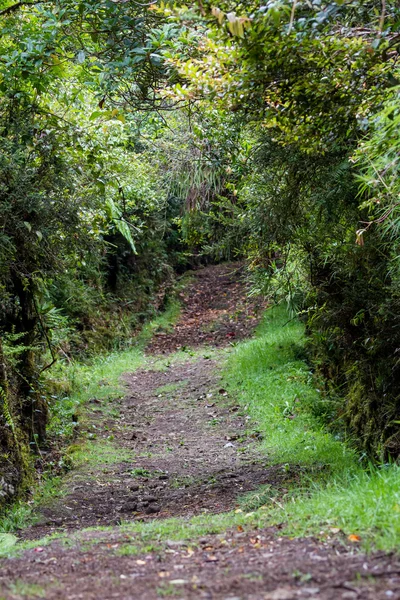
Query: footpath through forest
x: 135, y: 517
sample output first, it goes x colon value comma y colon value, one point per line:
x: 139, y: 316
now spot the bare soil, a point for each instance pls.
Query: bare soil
x: 215, y: 311
x: 180, y: 447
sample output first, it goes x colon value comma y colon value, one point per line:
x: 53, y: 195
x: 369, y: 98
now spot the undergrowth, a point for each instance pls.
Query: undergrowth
x: 99, y: 377
x: 21, y: 514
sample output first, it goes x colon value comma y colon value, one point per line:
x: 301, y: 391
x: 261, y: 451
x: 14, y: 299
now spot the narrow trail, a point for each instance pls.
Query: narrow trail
x: 176, y: 445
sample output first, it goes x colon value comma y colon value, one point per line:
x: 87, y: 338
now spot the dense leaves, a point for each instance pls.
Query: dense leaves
x: 84, y: 223
x: 136, y: 138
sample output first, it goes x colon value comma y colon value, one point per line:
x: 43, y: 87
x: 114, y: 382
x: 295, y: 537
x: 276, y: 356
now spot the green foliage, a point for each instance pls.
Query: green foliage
x: 77, y: 383
x: 298, y: 72
x: 15, y: 517
x: 316, y: 97
x: 136, y: 139
x: 378, y: 160
x: 83, y: 227
x: 20, y: 514
x: 269, y: 378
x: 7, y: 540
x: 365, y: 504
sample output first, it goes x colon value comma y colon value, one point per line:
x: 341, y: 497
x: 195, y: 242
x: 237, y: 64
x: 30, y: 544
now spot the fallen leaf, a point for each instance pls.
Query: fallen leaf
x: 211, y: 558
x: 254, y: 540
x: 140, y: 562
x: 353, y: 538
x: 335, y: 529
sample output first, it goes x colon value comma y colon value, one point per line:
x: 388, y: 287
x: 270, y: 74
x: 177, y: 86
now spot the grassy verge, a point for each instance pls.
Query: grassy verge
x: 98, y: 379
x: 273, y: 383
x: 20, y: 513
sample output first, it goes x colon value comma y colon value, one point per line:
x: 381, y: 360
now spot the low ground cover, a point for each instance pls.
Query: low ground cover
x: 336, y: 492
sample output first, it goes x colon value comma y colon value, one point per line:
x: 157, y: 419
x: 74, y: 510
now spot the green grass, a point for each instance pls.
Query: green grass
x: 364, y: 507
x: 269, y: 378
x: 331, y: 495
x: 169, y: 388
x: 139, y: 537
x: 365, y: 504
x: 164, y: 322
x: 98, y: 379
x: 102, y: 453
x: 21, y: 514
x: 167, y: 589
x: 21, y: 589
x: 16, y: 517
x: 275, y: 386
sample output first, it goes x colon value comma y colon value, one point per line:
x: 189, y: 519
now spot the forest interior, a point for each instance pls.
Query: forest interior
x: 199, y: 299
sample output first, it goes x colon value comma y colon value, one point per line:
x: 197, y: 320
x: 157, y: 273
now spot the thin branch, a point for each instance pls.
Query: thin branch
x: 292, y: 16
x: 382, y: 18
x: 53, y: 356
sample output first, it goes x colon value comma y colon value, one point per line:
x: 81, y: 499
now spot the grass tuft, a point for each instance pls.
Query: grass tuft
x: 276, y: 388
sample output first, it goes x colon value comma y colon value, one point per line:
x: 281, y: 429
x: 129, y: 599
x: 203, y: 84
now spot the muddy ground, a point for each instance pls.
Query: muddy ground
x: 176, y: 445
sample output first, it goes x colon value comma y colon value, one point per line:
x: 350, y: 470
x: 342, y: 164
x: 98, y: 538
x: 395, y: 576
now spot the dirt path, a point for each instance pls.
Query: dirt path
x: 178, y: 446
x: 215, y: 311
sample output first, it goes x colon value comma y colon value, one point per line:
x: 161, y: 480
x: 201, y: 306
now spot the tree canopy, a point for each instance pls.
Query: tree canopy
x: 137, y: 139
